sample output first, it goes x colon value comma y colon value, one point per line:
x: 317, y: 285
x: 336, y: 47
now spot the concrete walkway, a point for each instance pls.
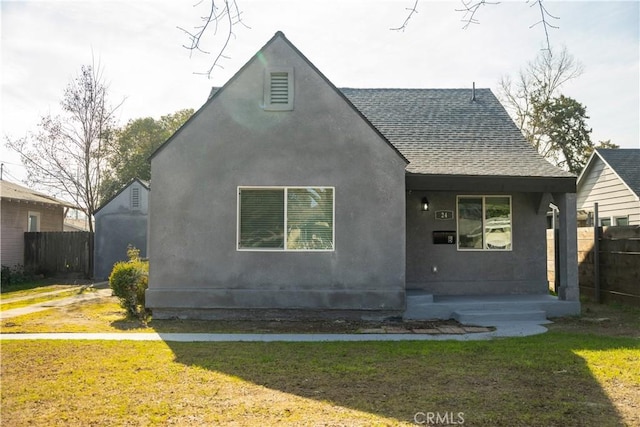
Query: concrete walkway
x: 89, y: 294
x: 503, y: 330
x: 43, y: 294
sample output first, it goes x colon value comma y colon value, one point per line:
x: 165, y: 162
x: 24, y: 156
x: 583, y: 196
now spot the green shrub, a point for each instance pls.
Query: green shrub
x: 15, y: 275
x: 129, y: 281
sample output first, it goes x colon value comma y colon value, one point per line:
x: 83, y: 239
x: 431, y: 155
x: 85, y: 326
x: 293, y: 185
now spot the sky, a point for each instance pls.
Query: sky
x: 139, y: 47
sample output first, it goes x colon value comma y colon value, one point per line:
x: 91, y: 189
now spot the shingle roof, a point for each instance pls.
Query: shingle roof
x: 12, y: 191
x: 445, y: 132
x: 626, y: 163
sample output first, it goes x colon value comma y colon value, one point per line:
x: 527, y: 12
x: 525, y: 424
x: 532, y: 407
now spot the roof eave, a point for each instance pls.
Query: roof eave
x: 39, y: 202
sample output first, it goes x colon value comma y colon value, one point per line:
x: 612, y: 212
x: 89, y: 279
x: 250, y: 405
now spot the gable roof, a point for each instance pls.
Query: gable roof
x: 436, y: 131
x: 13, y: 191
x: 279, y: 35
x: 445, y: 132
x: 145, y: 185
x: 624, y: 162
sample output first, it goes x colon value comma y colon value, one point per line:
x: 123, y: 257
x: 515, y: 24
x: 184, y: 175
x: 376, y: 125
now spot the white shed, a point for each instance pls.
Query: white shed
x: 120, y: 222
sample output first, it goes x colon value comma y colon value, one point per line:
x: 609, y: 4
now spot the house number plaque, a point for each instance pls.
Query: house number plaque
x: 444, y: 214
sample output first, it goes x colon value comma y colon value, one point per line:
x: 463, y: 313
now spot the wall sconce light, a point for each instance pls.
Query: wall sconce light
x: 424, y: 204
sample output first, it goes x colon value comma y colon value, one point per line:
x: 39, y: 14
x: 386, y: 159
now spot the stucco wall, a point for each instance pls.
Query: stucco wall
x: 232, y: 142
x: 118, y: 225
x: 519, y: 271
x: 15, y: 217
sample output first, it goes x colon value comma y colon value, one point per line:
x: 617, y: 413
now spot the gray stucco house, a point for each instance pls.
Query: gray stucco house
x: 121, y: 221
x: 322, y: 201
x: 611, y: 178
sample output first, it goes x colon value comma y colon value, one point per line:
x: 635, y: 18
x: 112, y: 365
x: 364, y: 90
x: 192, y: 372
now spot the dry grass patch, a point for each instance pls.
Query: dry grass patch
x: 602, y: 319
x: 40, y: 297
x: 106, y: 315
x: 31, y: 292
x: 97, y: 315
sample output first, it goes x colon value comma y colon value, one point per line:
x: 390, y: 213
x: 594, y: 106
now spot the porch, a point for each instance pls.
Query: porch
x: 487, y: 310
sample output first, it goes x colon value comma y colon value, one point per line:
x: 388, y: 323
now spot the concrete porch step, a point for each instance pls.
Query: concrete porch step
x: 424, y: 306
x: 490, y: 317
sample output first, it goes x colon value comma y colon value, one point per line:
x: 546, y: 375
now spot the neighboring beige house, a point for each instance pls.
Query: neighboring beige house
x: 611, y: 178
x: 23, y: 210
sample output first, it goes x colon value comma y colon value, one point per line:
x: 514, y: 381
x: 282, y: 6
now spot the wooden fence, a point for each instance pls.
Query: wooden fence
x: 59, y: 254
x: 614, y: 269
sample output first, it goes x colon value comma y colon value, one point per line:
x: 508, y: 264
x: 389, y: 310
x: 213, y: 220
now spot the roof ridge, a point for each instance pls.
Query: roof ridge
x: 414, y: 88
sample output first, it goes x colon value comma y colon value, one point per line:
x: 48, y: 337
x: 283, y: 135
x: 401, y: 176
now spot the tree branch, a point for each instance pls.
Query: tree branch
x: 412, y: 10
x: 228, y: 14
x: 544, y: 21
x: 470, y: 9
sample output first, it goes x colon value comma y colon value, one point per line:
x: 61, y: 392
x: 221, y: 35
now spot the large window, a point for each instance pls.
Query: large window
x: 286, y: 218
x: 484, y: 222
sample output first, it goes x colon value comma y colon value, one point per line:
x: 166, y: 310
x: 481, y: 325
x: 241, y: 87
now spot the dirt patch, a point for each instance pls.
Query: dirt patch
x: 614, y: 320
x: 393, y: 326
x: 105, y: 315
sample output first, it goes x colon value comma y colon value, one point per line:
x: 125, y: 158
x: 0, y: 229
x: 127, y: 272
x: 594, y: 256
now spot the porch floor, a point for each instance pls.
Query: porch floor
x: 487, y: 309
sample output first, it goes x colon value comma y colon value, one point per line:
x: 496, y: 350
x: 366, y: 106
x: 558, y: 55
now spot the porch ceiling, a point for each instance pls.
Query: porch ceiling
x: 531, y: 184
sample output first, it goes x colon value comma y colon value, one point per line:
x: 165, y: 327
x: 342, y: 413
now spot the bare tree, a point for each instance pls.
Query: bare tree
x: 223, y: 16
x: 534, y: 86
x: 470, y: 9
x: 68, y: 152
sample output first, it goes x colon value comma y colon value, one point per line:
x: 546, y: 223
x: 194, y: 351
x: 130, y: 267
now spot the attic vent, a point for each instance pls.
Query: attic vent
x: 278, y: 90
x: 135, y: 198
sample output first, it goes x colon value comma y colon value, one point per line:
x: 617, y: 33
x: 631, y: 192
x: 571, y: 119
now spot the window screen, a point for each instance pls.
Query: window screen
x: 262, y: 218
x: 290, y: 218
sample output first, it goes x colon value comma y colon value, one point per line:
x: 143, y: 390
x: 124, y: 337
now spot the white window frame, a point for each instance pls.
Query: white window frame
x: 268, y: 104
x: 619, y: 217
x: 285, y: 188
x: 484, y: 239
x: 34, y: 214
x: 603, y: 219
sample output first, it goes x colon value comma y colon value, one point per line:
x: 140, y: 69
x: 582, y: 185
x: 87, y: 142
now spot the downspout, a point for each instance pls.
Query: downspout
x: 596, y: 252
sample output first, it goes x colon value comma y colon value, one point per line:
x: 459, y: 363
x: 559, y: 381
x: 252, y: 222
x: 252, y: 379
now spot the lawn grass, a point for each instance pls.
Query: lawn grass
x: 555, y: 379
x: 584, y: 372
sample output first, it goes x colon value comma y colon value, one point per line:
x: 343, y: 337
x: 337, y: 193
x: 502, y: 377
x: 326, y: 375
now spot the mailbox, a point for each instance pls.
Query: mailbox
x: 444, y: 237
